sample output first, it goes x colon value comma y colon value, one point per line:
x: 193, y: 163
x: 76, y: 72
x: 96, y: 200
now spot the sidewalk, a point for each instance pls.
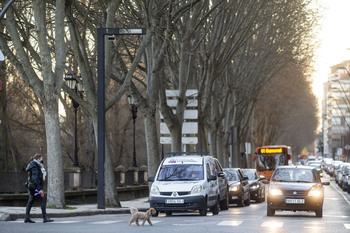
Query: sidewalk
x: 10, y: 213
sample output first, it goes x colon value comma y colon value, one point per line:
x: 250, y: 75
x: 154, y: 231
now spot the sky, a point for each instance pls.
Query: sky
x: 334, y: 39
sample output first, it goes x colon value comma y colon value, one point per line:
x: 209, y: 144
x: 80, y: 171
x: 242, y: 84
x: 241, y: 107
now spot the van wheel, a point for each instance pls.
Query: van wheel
x: 215, y: 208
x: 168, y: 213
x: 203, y: 212
x: 224, y: 204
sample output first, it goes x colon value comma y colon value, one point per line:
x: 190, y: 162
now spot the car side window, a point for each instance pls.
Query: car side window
x: 218, y: 166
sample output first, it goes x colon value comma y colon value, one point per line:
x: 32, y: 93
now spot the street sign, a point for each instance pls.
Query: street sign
x: 184, y: 140
x: 188, y: 114
x: 187, y: 128
x: 347, y: 147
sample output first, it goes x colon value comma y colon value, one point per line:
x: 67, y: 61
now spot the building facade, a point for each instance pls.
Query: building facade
x: 336, y: 113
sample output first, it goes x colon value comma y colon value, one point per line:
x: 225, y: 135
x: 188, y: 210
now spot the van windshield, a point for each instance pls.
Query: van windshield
x: 180, y: 172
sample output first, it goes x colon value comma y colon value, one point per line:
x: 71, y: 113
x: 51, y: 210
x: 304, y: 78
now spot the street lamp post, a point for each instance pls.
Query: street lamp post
x: 101, y: 118
x: 75, y: 85
x: 134, y: 116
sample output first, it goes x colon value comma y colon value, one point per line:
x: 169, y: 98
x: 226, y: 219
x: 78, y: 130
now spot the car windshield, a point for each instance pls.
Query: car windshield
x: 231, y: 175
x: 180, y: 172
x: 251, y: 174
x: 293, y: 175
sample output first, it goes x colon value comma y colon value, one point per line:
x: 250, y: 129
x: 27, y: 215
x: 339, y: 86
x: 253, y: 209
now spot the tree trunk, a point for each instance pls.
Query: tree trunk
x: 3, y: 119
x: 54, y: 154
x: 152, y: 143
x: 111, y: 194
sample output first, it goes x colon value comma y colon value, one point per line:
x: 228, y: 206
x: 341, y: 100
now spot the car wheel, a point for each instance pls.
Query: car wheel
x: 215, y: 208
x: 224, y: 204
x: 247, y: 202
x: 203, y: 212
x: 270, y: 212
x: 319, y: 212
x: 240, y: 203
x: 168, y: 213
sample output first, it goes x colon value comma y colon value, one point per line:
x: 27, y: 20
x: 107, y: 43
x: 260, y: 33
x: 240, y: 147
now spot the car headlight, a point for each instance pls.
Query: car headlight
x: 234, y: 188
x: 275, y: 192
x: 196, y: 189
x: 256, y: 186
x: 155, y: 190
x: 315, y: 192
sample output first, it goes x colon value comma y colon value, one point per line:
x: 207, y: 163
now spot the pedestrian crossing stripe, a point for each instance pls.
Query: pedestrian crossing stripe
x: 230, y: 223
x: 60, y: 222
x: 272, y: 224
x: 347, y: 226
x: 104, y: 222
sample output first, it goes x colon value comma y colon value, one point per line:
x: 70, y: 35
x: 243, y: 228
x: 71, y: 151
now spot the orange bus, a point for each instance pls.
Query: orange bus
x: 270, y: 157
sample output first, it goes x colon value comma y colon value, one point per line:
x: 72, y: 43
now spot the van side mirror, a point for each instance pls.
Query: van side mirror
x: 221, y: 174
x: 151, y: 179
x: 212, y: 177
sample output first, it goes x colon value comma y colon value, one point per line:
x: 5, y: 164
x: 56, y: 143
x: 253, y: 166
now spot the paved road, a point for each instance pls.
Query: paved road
x: 253, y: 218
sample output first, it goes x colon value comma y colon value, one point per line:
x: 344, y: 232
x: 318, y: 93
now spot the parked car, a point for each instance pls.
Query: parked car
x: 338, y: 173
x: 318, y: 165
x: 256, y: 187
x: 238, y: 186
x: 295, y: 188
x: 189, y: 183
x: 343, y: 176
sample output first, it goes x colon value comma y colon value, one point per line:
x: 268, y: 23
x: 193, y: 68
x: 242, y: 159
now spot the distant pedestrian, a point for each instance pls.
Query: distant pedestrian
x: 35, y: 185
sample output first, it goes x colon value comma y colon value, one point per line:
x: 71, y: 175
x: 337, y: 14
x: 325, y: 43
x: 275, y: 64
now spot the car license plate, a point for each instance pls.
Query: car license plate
x: 174, y: 201
x: 295, y: 201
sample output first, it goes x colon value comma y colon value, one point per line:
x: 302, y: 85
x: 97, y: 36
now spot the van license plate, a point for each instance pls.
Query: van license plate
x: 295, y: 201
x: 174, y: 201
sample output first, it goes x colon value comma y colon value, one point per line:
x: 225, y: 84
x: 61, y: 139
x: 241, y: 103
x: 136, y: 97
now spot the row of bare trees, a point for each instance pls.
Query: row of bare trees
x: 248, y: 59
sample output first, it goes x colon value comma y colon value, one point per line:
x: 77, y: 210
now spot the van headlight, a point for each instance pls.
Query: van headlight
x: 315, y: 192
x: 155, y: 190
x: 196, y: 189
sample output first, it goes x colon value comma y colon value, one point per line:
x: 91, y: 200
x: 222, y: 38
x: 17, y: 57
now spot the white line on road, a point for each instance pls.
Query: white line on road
x: 230, y: 223
x: 272, y: 224
x: 341, y: 193
x: 104, y: 222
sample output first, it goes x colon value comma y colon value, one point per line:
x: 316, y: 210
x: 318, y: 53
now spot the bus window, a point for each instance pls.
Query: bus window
x: 270, y: 162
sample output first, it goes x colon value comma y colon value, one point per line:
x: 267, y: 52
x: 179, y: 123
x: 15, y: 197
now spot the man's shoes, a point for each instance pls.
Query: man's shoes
x: 28, y: 220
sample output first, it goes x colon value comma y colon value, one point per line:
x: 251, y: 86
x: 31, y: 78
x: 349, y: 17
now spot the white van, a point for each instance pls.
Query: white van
x: 189, y: 183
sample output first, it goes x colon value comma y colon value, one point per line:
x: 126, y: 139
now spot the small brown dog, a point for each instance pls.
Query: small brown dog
x: 136, y: 215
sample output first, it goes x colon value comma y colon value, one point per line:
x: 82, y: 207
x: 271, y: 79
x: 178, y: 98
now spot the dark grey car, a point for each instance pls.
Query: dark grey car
x: 295, y: 188
x: 238, y: 186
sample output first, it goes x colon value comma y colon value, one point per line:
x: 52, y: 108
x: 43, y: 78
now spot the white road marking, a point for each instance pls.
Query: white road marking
x: 104, y: 222
x: 64, y: 222
x: 230, y: 223
x: 341, y: 193
x: 272, y: 224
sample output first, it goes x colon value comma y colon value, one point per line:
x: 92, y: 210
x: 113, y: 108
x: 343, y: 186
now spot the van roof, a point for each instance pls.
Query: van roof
x: 185, y: 159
